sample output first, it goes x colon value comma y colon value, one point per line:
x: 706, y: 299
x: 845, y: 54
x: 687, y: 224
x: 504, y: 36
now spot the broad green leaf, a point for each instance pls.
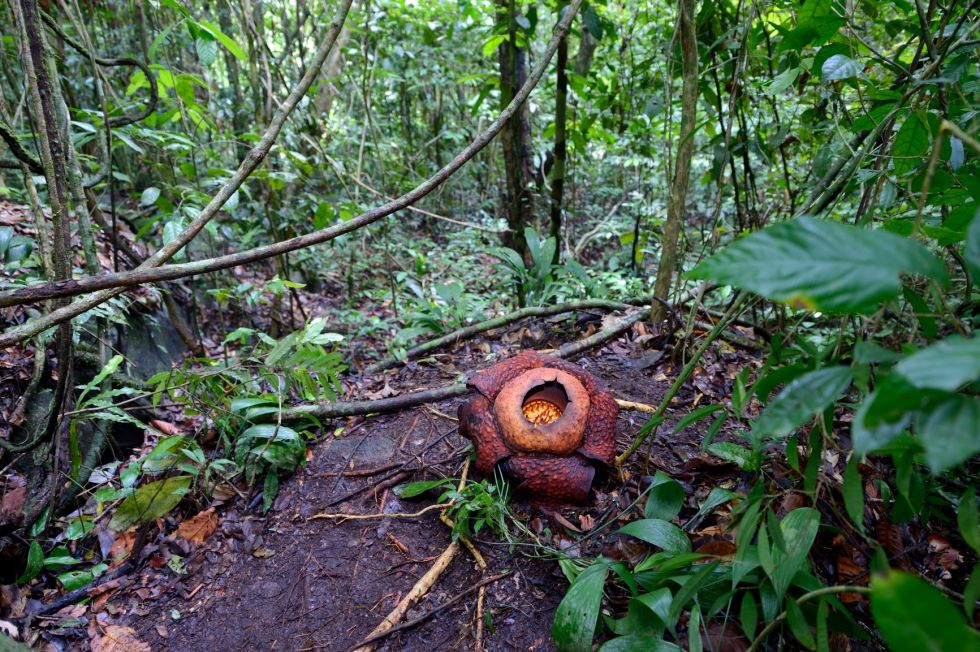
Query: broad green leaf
x: 821, y: 265
x: 801, y: 400
x: 912, y: 616
x: 35, y: 561
x: 949, y: 432
x: 945, y: 365
x: 149, y: 196
x: 224, y: 39
x: 637, y: 643
x: 817, y: 21
x: 693, y: 584
x: 968, y: 519
x: 911, y: 144
x: 207, y: 51
x: 662, y: 534
x: 971, y: 593
x: 749, y: 614
x: 782, y: 81
x: 716, y: 497
x: 746, y: 459
x: 665, y: 498
x: 839, y: 67
x: 578, y: 612
x: 799, y: 529
x: 971, y: 250
x: 853, y: 491
x: 658, y: 603
x: 150, y: 501
x: 798, y: 625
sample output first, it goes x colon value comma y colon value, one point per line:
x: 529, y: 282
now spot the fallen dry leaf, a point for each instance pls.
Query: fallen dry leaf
x: 718, y: 548
x: 13, y: 500
x: 586, y: 521
x: 123, y: 544
x: 165, y: 427
x: 116, y: 638
x: 199, y: 527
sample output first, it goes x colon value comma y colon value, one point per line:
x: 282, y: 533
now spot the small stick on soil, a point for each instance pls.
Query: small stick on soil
x: 365, y: 645
x: 635, y: 407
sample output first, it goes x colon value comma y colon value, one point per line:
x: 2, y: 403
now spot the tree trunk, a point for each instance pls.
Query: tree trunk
x: 40, y: 82
x: 561, y: 147
x: 516, y: 136
x: 685, y: 149
x: 238, y: 117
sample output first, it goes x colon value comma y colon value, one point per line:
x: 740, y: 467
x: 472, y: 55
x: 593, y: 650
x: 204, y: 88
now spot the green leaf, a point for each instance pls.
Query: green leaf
x: 665, y: 498
x: 968, y: 520
x: 35, y: 561
x: 691, y: 586
x: 749, y: 614
x: 913, y: 616
x: 658, y: 603
x: 971, y: 593
x: 149, y: 196
x: 798, y: 625
x: 578, y: 612
x: 150, y: 501
x: 662, y: 534
x: 839, y: 67
x: 270, y: 489
x: 224, y: 39
x: 782, y: 81
x: 949, y: 432
x: 821, y: 265
x: 746, y: 459
x: 971, y: 249
x: 911, y: 143
x: 76, y: 579
x: 696, y: 415
x: 799, y: 529
x: 592, y: 22
x: 799, y: 401
x: 413, y: 489
x: 638, y: 643
x: 854, y: 493
x: 207, y: 51
x: 946, y: 365
x: 717, y: 496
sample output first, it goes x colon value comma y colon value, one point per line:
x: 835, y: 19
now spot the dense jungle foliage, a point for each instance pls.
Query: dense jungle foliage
x: 311, y: 193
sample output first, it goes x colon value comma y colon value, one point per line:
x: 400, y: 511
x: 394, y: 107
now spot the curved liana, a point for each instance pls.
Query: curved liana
x: 547, y: 424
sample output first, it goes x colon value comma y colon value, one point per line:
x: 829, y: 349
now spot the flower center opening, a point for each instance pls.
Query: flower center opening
x: 545, y: 403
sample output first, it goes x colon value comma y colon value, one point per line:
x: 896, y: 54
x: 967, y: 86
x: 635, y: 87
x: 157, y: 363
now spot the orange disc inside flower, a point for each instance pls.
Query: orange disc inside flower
x: 540, y: 412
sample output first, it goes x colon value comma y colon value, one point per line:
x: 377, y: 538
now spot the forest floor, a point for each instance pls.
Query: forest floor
x: 293, y: 581
x: 222, y: 575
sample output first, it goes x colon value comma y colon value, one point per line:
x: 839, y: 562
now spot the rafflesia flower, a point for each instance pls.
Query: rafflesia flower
x: 546, y: 423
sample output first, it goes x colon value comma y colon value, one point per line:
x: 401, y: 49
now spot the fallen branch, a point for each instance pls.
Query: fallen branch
x: 396, y: 403
x: 151, y: 271
x: 374, y: 638
x: 471, y: 331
